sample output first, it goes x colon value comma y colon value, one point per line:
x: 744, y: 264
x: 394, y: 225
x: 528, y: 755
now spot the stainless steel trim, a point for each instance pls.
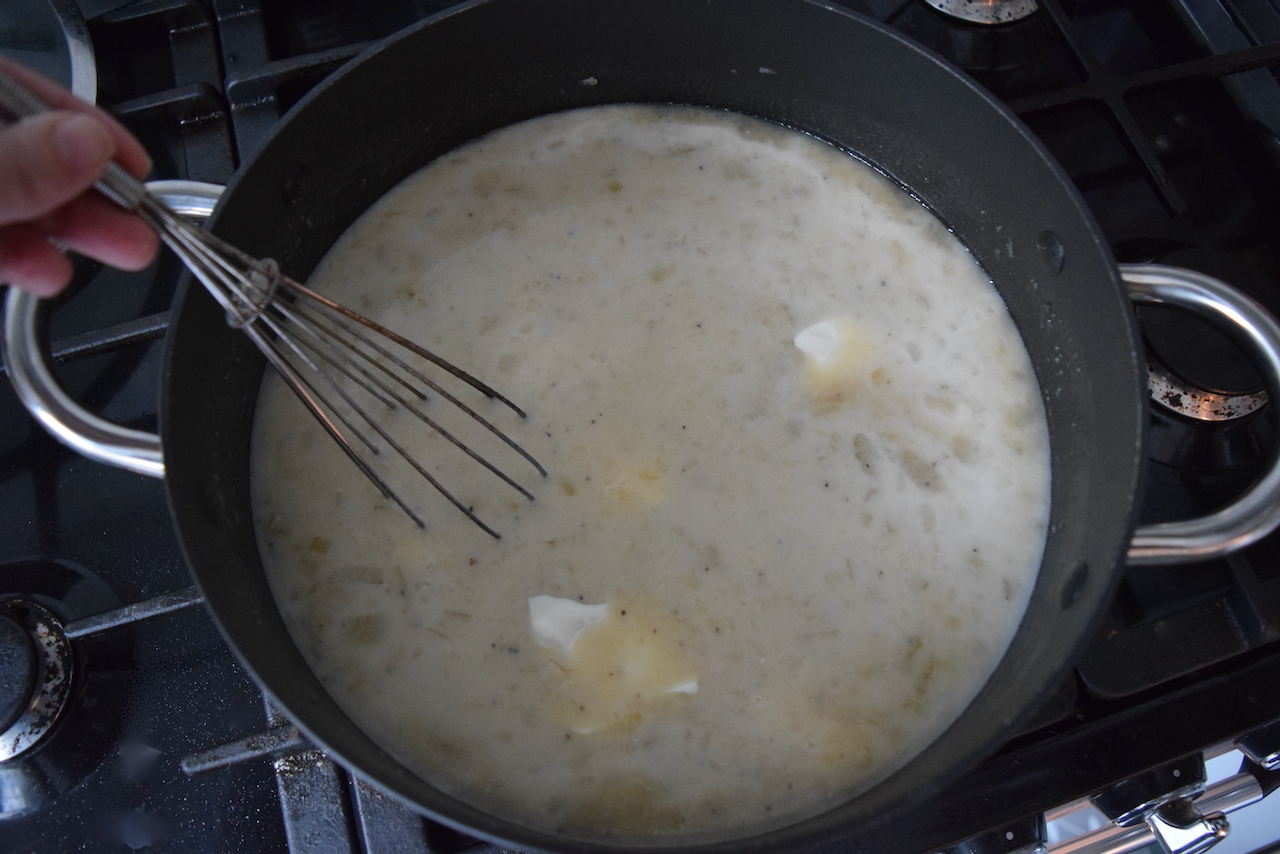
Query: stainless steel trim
x: 1231, y: 794
x: 1107, y: 840
x: 1257, y: 512
x: 1182, y: 829
x: 1225, y: 796
x: 1142, y: 812
x: 1267, y: 761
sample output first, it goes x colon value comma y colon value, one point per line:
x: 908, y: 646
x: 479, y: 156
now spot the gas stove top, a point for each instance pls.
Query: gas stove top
x: 1166, y: 115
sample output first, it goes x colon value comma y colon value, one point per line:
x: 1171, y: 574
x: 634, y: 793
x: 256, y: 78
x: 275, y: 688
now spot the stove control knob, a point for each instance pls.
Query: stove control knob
x: 1132, y: 801
x: 18, y: 669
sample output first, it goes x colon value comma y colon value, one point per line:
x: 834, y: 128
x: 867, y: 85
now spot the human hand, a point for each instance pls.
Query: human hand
x: 48, y: 165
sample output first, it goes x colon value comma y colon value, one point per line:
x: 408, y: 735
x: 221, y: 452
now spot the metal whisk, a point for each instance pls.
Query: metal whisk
x: 305, y: 336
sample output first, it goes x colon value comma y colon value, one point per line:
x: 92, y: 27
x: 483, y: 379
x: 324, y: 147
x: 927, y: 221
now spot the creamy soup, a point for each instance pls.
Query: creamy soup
x: 798, y: 486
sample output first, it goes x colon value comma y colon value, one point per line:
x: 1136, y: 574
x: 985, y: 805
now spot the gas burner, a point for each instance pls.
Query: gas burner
x: 986, y: 11
x: 1192, y: 349
x: 35, y: 675
x: 1023, y: 54
x: 1191, y: 402
x: 1204, y: 432
x: 61, y: 694
x: 1208, y: 408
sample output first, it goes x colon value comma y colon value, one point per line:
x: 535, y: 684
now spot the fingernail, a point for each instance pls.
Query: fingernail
x: 81, y: 143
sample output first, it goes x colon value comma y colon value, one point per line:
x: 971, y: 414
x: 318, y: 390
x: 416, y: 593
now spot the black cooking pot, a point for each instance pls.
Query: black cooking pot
x: 495, y: 62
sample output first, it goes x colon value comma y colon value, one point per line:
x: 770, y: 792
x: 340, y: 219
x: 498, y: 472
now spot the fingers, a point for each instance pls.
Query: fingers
x: 90, y: 225
x: 47, y: 163
x: 129, y: 152
x: 48, y: 160
x: 100, y: 229
x: 28, y: 260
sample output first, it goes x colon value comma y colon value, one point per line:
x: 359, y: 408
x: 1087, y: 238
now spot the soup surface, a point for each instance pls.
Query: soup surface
x: 798, y: 485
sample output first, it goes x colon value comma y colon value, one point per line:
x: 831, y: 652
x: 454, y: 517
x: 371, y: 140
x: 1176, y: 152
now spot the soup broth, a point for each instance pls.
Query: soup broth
x: 797, y: 494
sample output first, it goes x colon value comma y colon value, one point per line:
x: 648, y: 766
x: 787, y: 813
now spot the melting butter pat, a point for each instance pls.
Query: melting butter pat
x: 836, y: 354
x: 558, y: 623
x: 638, y: 487
x: 613, y: 664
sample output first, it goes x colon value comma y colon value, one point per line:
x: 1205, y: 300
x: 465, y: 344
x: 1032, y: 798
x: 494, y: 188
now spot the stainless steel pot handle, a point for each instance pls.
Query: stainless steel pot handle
x: 1257, y: 512
x: 49, y: 404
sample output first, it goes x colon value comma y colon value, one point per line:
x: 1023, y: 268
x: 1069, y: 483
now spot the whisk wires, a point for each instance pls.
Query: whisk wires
x: 308, y: 338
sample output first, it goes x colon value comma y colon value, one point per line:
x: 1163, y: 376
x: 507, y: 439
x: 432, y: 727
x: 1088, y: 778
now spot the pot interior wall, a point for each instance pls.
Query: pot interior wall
x: 824, y: 71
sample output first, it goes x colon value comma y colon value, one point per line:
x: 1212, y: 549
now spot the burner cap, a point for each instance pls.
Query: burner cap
x: 18, y: 668
x: 52, y: 658
x: 71, y: 717
x: 1191, y: 348
x: 986, y: 11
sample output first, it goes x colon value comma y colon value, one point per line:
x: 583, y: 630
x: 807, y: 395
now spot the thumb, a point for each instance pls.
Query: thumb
x: 48, y: 160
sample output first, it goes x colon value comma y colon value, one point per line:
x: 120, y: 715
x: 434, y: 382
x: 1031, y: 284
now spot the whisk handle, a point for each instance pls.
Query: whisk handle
x: 121, y: 187
x: 17, y: 101
x: 116, y: 184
